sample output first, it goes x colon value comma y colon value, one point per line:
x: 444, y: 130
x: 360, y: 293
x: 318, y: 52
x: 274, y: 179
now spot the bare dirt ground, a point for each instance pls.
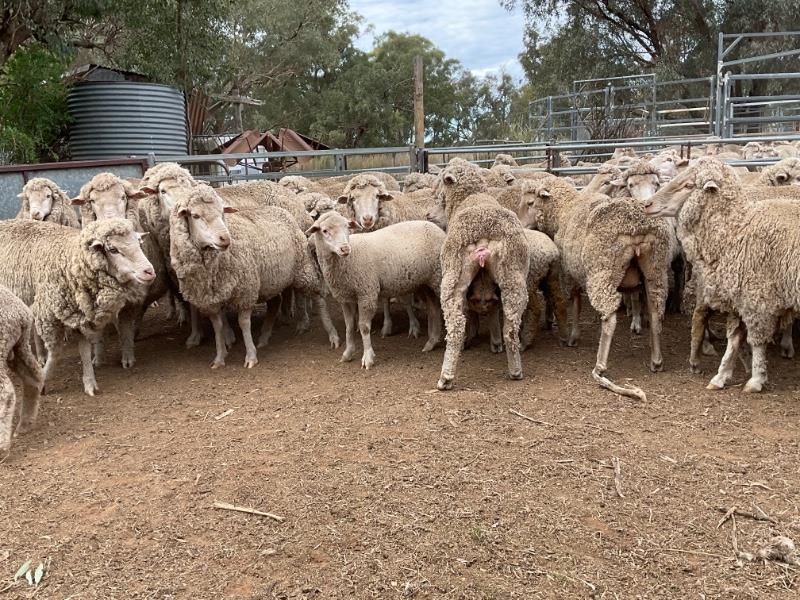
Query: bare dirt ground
x: 390, y: 490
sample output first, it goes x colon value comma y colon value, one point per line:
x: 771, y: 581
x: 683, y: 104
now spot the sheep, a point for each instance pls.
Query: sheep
x: 505, y: 159
x: 784, y: 172
x: 238, y: 262
x: 73, y: 280
x: 480, y: 235
x: 748, y: 253
x: 418, y: 181
x: 360, y: 269
x: 299, y: 184
x: 42, y: 200
x: 668, y: 163
x: 607, y: 246
x: 498, y: 176
x: 255, y: 194
x: 106, y: 196
x: 317, y: 203
x: 16, y: 356
x: 334, y: 186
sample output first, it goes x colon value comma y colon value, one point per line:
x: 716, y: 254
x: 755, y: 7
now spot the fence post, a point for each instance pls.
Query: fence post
x: 727, y: 120
x: 549, y: 119
x: 151, y: 159
x: 339, y: 164
x: 718, y: 79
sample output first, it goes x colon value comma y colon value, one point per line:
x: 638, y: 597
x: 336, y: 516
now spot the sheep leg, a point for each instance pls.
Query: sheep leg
x: 556, y: 303
x: 304, y: 322
x: 99, y: 351
x: 386, y: 330
x: 196, y: 335
x: 453, y: 296
x: 27, y: 368
x: 530, y: 321
x: 434, y: 321
x: 349, y: 310
x: 656, y: 358
x: 787, y: 344
x: 735, y: 331
x: 514, y: 292
x: 126, y: 326
x: 414, y: 328
x: 575, y: 333
x: 366, y: 310
x: 473, y: 324
x: 53, y: 342
x: 227, y: 330
x: 627, y: 302
x: 758, y: 375
x: 636, y: 312
x: 699, y: 319
x: 251, y: 356
x: 8, y: 402
x: 327, y: 323
x: 217, y: 321
x: 85, y: 350
x: 495, y: 332
x: 273, y: 311
x: 41, y: 353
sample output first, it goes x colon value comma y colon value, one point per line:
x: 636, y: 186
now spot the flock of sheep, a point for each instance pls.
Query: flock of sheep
x: 511, y: 246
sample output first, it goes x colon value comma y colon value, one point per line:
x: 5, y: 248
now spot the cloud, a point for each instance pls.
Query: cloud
x: 480, y: 33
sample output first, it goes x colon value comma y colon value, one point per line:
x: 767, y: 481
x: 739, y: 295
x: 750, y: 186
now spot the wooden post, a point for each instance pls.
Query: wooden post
x: 419, y: 110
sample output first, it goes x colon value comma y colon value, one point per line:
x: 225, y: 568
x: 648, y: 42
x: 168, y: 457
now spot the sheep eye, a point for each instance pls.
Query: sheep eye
x: 195, y: 216
x: 113, y: 250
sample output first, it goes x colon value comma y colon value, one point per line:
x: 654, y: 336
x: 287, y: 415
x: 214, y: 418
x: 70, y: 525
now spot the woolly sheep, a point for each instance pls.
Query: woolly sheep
x: 73, y: 280
x: 299, y: 184
x: 748, y: 253
x: 360, y: 269
x: 42, y: 200
x: 480, y: 235
x: 607, y: 246
x: 418, y: 181
x: 784, y: 172
x: 255, y: 194
x: 505, y: 159
x: 373, y: 206
x: 106, y: 196
x: 16, y: 356
x: 498, y: 176
x: 238, y: 262
x: 334, y: 186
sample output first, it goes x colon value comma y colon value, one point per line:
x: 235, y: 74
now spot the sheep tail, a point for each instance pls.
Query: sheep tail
x: 481, y: 255
x: 630, y: 392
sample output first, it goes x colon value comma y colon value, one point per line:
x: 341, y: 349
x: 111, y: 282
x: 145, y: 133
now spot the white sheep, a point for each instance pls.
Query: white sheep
x: 42, y: 200
x: 361, y: 269
x: 16, y: 356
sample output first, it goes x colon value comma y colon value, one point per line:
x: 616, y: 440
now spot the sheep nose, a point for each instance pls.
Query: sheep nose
x: 368, y: 222
x: 345, y: 249
x: 37, y: 216
x: 224, y: 241
x: 149, y: 274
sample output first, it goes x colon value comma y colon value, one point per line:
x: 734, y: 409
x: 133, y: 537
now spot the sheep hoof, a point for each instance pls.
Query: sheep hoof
x: 335, y: 342
x: 572, y: 342
x: 445, y: 383
x: 386, y: 331
x: 249, y: 363
x: 128, y: 360
x: 430, y: 345
x: 636, y: 328
x: 263, y: 340
x: 368, y: 360
x: 217, y: 364
x: 413, y: 330
x: 695, y: 369
x: 715, y: 385
x: 496, y: 347
x: 753, y: 387
x: 516, y: 376
x: 709, y: 350
x: 347, y: 356
x: 193, y: 340
x: 787, y: 352
x: 656, y: 367
x: 90, y: 387
x: 98, y: 360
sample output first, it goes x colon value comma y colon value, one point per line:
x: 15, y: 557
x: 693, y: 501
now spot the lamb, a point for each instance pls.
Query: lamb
x: 42, y: 200
x: 505, y: 159
x: 748, y: 253
x: 73, y: 280
x: 480, y: 235
x: 397, y: 260
x: 16, y: 356
x: 607, y: 246
x: 106, y: 196
x: 252, y: 258
x: 784, y: 172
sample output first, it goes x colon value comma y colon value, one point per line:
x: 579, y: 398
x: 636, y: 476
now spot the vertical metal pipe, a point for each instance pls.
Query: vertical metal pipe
x: 718, y: 79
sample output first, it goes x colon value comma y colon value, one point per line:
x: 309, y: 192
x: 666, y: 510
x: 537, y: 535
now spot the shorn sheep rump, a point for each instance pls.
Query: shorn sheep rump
x: 362, y: 269
x: 748, y: 253
x: 73, y: 280
x: 16, y: 356
x: 481, y: 234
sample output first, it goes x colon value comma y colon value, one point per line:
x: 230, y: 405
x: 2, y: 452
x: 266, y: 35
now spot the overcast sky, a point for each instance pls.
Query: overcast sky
x: 484, y: 36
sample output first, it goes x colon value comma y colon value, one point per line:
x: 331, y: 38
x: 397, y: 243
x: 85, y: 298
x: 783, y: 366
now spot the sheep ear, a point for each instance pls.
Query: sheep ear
x: 312, y: 230
x: 148, y: 189
x: 781, y: 177
x: 711, y: 186
x: 95, y: 245
x: 353, y: 225
x: 229, y: 209
x: 449, y: 179
x: 343, y: 199
x: 544, y: 193
x: 21, y: 195
x: 509, y: 177
x: 617, y: 182
x: 183, y: 212
x: 77, y: 201
x: 385, y: 196
x: 682, y: 162
x: 434, y: 169
x: 137, y: 194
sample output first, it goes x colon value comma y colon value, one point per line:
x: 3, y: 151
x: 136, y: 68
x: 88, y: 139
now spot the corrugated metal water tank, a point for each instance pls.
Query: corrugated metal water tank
x: 114, y: 119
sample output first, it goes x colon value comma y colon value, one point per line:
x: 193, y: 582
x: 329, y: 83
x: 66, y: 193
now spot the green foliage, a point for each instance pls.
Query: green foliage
x: 33, y: 108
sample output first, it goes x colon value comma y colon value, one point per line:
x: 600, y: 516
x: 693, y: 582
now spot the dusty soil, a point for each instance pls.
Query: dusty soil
x: 391, y: 490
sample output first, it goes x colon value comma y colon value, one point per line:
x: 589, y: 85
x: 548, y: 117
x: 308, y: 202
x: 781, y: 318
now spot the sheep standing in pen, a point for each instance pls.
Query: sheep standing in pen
x: 481, y: 234
x: 607, y: 246
x: 238, y: 262
x: 16, y: 356
x: 73, y: 280
x: 106, y: 196
x: 360, y: 269
x: 299, y: 184
x: 42, y: 200
x: 749, y: 254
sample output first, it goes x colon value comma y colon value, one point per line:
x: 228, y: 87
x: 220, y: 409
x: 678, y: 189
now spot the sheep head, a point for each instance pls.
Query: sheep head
x: 505, y: 159
x: 537, y: 208
x: 334, y: 231
x: 167, y: 180
x: 39, y: 196
x: 107, y: 196
x: 709, y: 177
x: 640, y: 181
x: 203, y: 213
x: 786, y: 172
x: 114, y: 246
x: 365, y: 194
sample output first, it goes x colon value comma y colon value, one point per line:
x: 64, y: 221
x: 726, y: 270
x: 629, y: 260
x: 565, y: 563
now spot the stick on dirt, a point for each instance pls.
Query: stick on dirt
x: 531, y: 419
x: 617, y: 476
x: 249, y: 511
x: 743, y: 513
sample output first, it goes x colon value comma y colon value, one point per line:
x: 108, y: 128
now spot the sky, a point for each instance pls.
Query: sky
x: 484, y: 36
